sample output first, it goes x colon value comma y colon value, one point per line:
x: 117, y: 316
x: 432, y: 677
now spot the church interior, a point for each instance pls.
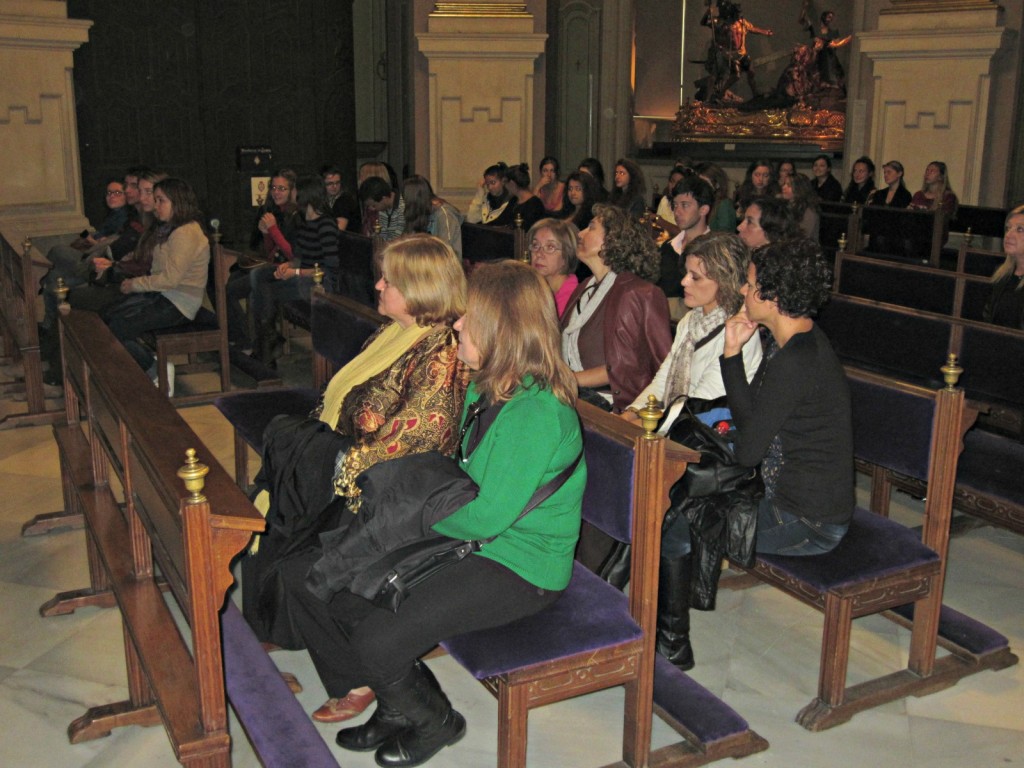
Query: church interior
x: 220, y: 93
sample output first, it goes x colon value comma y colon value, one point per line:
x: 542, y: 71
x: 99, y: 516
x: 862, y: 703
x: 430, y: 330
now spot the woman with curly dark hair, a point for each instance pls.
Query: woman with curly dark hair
x: 629, y: 190
x: 615, y: 331
x: 794, y: 417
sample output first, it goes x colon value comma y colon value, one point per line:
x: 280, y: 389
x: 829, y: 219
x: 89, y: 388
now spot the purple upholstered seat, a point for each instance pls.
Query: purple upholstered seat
x: 874, y: 547
x: 590, y: 614
x: 250, y: 412
x: 281, y: 732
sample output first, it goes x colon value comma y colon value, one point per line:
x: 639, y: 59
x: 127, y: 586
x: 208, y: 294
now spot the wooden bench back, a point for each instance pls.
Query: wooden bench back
x: 979, y: 220
x: 481, y: 243
x: 900, y: 233
x: 122, y: 428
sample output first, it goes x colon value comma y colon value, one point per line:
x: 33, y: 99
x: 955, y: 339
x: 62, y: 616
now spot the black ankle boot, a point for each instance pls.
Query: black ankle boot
x: 385, y: 722
x: 433, y: 724
x: 673, y: 641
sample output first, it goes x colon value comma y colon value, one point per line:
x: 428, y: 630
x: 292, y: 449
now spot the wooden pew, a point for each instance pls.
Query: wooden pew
x: 898, y: 233
x: 899, y: 342
x: 18, y: 289
x: 186, y: 521
x: 712, y: 729
x: 979, y: 220
x: 839, y: 227
x: 482, y: 243
x: 593, y: 637
x: 882, y: 566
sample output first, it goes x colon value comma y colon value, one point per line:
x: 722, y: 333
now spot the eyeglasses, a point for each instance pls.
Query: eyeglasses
x: 332, y: 183
x: 548, y: 248
x: 114, y: 193
x: 279, y: 188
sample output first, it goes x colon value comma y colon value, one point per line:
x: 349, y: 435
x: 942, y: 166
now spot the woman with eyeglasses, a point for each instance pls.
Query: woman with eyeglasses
x: 521, y: 394
x: 615, y: 330
x: 401, y: 395
x: 553, y: 255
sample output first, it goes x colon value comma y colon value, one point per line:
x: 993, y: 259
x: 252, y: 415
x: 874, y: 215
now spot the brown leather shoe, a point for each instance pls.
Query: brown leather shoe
x: 339, y: 710
x: 292, y: 682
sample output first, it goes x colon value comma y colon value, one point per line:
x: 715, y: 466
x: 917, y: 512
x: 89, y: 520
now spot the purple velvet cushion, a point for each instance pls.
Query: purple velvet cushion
x: 685, y: 700
x: 607, y: 498
x: 993, y: 465
x: 962, y: 630
x: 338, y: 335
x: 278, y: 727
x: 250, y: 412
x: 590, y: 615
x: 874, y: 547
x: 890, y: 428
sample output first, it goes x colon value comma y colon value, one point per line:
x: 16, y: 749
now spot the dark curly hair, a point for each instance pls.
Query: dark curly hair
x: 628, y: 246
x: 795, y: 274
x: 776, y: 218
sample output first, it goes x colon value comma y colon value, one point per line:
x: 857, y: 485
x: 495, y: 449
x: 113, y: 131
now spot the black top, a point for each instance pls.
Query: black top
x: 532, y: 211
x: 830, y: 191
x: 858, y: 193
x: 795, y: 421
x: 1005, y: 306
x: 900, y: 198
x: 671, y: 280
x: 346, y: 207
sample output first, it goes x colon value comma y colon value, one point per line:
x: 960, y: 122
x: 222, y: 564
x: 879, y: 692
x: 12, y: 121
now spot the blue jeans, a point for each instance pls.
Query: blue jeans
x: 778, y: 533
x: 139, y: 314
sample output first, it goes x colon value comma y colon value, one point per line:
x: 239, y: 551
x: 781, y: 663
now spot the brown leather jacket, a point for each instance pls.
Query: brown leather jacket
x: 628, y: 334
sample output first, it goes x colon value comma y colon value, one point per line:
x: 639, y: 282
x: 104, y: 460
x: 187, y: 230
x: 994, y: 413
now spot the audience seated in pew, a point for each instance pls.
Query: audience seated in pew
x: 796, y: 191
x: 401, y: 395
x: 715, y: 269
x: 528, y: 207
x: 825, y: 185
x: 581, y: 192
x: 723, y: 213
x: 767, y: 220
x: 690, y: 202
x: 315, y: 242
x: 343, y: 204
x: 615, y: 332
x: 172, y: 293
x: 551, y: 189
x: 629, y: 188
x: 383, y: 209
x: 509, y: 338
x: 759, y: 181
x: 1006, y: 304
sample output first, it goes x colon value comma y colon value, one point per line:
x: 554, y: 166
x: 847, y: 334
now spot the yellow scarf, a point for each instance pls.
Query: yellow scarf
x: 393, y: 342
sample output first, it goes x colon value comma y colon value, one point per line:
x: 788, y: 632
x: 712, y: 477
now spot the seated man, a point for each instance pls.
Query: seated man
x: 378, y: 196
x: 342, y: 203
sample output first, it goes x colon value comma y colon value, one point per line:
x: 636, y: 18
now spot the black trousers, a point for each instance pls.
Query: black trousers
x: 354, y: 643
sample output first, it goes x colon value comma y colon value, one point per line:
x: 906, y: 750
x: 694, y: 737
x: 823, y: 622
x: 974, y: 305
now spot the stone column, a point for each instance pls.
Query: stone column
x: 482, y: 58
x: 40, y: 174
x: 932, y: 66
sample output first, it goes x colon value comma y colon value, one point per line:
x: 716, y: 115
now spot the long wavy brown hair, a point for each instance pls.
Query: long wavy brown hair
x: 512, y: 320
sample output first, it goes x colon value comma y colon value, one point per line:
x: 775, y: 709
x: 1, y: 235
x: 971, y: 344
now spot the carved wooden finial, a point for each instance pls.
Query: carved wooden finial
x: 61, y: 291
x: 968, y: 236
x: 842, y: 243
x: 650, y: 415
x: 26, y: 245
x: 318, y: 277
x: 193, y: 473
x: 951, y: 372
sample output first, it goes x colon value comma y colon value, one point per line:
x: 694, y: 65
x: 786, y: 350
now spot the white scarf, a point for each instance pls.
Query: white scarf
x: 588, y: 303
x: 698, y: 325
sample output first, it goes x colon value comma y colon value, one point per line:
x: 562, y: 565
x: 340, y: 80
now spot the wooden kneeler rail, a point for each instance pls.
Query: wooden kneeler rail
x: 119, y: 424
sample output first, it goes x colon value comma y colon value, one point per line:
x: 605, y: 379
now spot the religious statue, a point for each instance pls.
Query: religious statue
x: 727, y: 53
x: 825, y: 40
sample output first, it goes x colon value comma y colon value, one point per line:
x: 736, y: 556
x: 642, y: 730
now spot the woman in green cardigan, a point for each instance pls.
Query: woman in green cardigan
x: 519, y: 431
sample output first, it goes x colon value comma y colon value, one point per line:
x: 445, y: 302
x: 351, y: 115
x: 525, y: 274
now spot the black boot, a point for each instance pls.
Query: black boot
x: 385, y: 722
x: 673, y: 640
x: 434, y: 725
x: 268, y: 344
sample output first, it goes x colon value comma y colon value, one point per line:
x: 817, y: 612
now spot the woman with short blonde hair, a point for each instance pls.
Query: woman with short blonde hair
x: 429, y: 275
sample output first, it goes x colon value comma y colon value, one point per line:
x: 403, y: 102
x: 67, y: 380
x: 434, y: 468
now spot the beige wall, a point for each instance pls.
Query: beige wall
x: 481, y: 82
x: 42, y: 188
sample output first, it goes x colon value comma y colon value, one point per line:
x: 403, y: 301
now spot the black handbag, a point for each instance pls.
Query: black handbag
x: 387, y: 581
